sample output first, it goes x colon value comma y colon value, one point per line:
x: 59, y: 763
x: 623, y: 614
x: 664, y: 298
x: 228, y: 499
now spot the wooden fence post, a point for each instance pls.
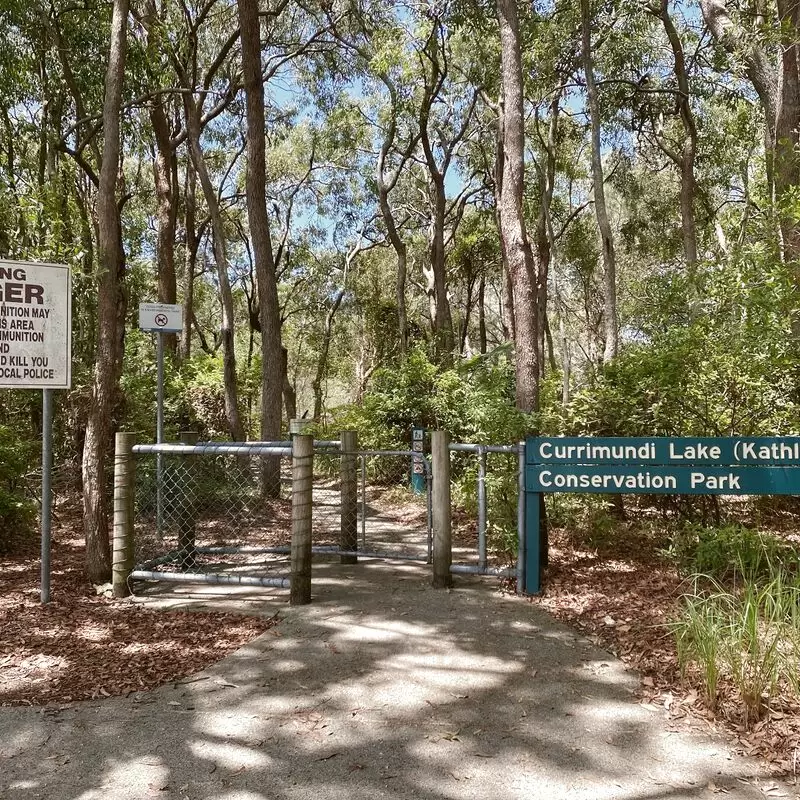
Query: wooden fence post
x: 442, y: 524
x: 124, y: 483
x: 186, y: 504
x: 302, y: 476
x: 348, y: 531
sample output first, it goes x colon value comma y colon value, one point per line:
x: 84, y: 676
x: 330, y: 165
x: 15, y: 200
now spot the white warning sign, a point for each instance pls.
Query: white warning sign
x: 35, y: 326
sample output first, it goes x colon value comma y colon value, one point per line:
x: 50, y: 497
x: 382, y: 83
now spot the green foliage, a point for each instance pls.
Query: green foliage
x: 711, y: 357
x: 729, y: 551
x: 473, y: 402
x: 17, y: 514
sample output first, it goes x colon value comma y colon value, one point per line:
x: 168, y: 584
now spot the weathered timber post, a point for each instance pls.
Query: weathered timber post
x: 442, y: 525
x: 348, y: 531
x: 186, y: 504
x: 124, y: 482
x: 302, y: 474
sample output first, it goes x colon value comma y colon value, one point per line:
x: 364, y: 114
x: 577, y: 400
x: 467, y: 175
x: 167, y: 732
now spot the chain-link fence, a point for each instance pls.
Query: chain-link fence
x: 488, y: 486
x: 364, y: 507
x: 242, y: 513
x: 216, y: 512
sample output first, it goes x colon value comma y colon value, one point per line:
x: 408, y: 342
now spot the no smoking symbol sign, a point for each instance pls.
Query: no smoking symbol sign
x: 161, y: 320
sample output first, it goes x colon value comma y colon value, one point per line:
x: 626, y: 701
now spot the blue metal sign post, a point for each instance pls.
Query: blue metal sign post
x: 656, y: 465
x: 418, y: 485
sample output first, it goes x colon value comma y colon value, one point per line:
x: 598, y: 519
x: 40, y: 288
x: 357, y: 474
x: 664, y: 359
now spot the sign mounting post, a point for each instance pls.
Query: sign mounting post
x: 160, y: 318
x: 36, y: 353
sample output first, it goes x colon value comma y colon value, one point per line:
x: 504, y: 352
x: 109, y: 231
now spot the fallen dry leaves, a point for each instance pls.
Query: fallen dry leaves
x: 621, y: 594
x: 83, y: 646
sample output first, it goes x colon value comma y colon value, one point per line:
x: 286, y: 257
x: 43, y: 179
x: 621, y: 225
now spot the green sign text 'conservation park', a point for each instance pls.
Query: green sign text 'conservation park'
x: 734, y: 466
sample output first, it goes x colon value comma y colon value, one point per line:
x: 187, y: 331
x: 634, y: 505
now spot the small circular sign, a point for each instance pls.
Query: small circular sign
x: 161, y: 320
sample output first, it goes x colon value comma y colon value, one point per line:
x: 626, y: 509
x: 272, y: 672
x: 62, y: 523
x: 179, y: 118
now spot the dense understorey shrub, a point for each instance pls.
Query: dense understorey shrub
x: 17, y: 513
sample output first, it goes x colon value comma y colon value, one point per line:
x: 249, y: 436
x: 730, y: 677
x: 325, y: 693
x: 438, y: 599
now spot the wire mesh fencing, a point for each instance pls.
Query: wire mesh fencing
x: 253, y: 513
x: 364, y: 507
x: 219, y: 513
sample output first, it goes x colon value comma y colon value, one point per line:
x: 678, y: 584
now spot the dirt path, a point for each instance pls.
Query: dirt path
x: 382, y: 687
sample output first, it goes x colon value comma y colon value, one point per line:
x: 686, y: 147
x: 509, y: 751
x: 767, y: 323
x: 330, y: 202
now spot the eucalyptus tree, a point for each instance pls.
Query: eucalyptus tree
x: 516, y: 246
x: 374, y: 58
x: 765, y: 38
x: 610, y: 321
x: 111, y: 295
x: 446, y: 108
x: 269, y: 316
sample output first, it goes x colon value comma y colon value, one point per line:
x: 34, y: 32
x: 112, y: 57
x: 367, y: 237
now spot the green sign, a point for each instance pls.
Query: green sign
x: 778, y: 451
x: 614, y: 479
x: 654, y: 465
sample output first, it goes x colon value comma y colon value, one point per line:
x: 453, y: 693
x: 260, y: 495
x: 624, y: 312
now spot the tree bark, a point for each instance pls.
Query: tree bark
x: 289, y: 394
x: 482, y: 344
x: 760, y: 70
x: 166, y: 196
x: 268, y: 308
x: 111, y: 307
x: 166, y: 214
x: 610, y: 323
x: 232, y: 415
x: 787, y: 133
x: 515, y: 245
x: 441, y: 317
x: 189, y: 259
x: 686, y: 159
x: 385, y: 184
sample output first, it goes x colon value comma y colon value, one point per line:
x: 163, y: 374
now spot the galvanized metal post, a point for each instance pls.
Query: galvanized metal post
x: 186, y: 502
x: 124, y: 482
x: 482, y: 558
x: 302, y: 476
x: 348, y: 529
x: 363, y: 502
x: 159, y: 433
x: 442, y: 521
x: 47, y: 490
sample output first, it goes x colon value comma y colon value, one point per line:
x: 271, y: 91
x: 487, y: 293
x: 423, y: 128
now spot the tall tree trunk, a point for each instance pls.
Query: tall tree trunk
x: 111, y: 306
x: 220, y: 256
x: 685, y: 160
x: 760, y: 69
x: 166, y: 214
x: 610, y: 323
x: 384, y: 186
x: 482, y: 344
x: 268, y: 308
x: 189, y: 259
x: 787, y: 132
x: 443, y: 335
x: 289, y: 393
x: 441, y: 317
x: 516, y: 247
x: 166, y: 194
x: 544, y: 224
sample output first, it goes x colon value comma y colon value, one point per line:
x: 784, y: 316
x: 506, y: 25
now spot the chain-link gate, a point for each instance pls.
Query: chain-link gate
x: 363, y: 507
x: 212, y: 513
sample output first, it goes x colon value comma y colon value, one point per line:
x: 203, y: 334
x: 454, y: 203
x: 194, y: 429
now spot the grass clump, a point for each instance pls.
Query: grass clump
x: 740, y: 631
